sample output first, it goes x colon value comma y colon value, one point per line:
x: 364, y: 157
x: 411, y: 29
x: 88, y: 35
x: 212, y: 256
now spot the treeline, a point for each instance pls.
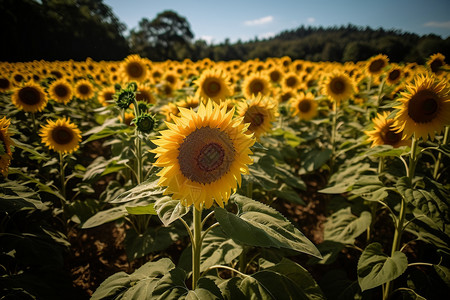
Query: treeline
x: 77, y: 29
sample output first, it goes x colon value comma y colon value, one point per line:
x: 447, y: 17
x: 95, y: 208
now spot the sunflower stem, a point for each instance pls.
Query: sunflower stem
x: 138, y: 146
x: 399, y: 226
x: 61, y: 175
x: 380, y: 91
x: 33, y: 119
x: 196, y: 247
x: 437, y: 165
x: 333, y: 134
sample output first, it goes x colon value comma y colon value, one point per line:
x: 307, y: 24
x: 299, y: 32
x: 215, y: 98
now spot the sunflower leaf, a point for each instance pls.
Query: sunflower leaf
x: 257, y: 224
x: 344, y: 227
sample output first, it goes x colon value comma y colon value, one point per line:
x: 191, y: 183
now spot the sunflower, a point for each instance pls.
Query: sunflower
x: 384, y: 133
x: 30, y: 98
x: 5, y: 84
x: 133, y: 68
x: 169, y: 110
x: 291, y: 80
x: 435, y: 62
x: 305, y: 107
x: 394, y: 75
x: 255, y: 84
x: 275, y: 74
x: 203, y: 155
x: 61, y: 136
x: 144, y: 93
x: 424, y: 108
x: 61, y: 91
x: 213, y: 84
x: 84, y: 89
x: 259, y: 112
x: 5, y: 146
x: 376, y: 64
x: 338, y: 86
x: 189, y: 102
x: 106, y: 95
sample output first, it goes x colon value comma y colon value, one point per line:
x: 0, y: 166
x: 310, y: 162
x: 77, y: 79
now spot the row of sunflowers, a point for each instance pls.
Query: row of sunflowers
x: 204, y: 155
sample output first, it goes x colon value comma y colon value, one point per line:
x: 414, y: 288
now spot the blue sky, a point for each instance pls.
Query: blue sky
x: 214, y: 21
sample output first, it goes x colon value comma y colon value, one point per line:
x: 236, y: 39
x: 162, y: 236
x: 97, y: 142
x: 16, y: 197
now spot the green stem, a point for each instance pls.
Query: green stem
x: 250, y: 189
x: 243, y: 260
x: 439, y: 158
x: 226, y: 268
x: 333, y: 134
x: 138, y: 146
x: 399, y: 226
x: 61, y: 175
x: 33, y: 119
x: 196, y: 247
x: 380, y: 91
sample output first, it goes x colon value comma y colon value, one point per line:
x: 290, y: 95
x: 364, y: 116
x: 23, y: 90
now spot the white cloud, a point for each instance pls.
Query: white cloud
x: 438, y: 24
x: 266, y: 35
x: 310, y: 20
x: 207, y: 38
x: 260, y: 21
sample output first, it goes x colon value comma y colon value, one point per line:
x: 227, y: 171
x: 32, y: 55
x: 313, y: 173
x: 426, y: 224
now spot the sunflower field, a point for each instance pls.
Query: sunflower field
x: 274, y: 179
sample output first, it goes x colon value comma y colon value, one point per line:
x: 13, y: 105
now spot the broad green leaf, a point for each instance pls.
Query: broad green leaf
x: 155, y: 238
x: 370, y: 188
x: 105, y: 216
x: 80, y: 211
x: 444, y: 273
x: 387, y: 150
x: 169, y: 210
x: 433, y: 200
x: 230, y: 289
x: 287, y: 193
x: 29, y: 149
x: 286, y: 280
x: 260, y: 177
x: 344, y: 227
x: 15, y: 196
x: 171, y: 286
x: 148, y: 188
x: 428, y: 231
x: 316, y: 159
x: 342, y: 181
x: 330, y: 251
x: 260, y: 225
x: 376, y: 268
x: 142, y: 210
x: 108, y: 128
x: 131, y: 286
x: 206, y: 289
x: 290, y: 179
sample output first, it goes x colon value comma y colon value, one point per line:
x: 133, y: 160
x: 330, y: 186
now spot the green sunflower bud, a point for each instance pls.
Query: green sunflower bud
x: 125, y: 98
x: 117, y: 87
x: 143, y: 107
x: 145, y: 122
x: 132, y: 86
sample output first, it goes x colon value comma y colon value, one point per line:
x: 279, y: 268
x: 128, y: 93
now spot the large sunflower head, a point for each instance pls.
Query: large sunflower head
x: 255, y: 84
x: 376, y: 64
x: 338, y: 86
x: 5, y: 146
x: 61, y: 135
x: 435, y: 62
x: 30, y: 98
x: 259, y: 112
x: 304, y: 106
x: 84, y: 89
x: 213, y: 84
x: 384, y: 132
x: 133, y: 68
x: 61, y: 91
x: 424, y: 108
x: 203, y: 155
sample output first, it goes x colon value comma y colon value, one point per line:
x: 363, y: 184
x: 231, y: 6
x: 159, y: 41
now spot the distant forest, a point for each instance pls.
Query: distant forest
x: 78, y: 29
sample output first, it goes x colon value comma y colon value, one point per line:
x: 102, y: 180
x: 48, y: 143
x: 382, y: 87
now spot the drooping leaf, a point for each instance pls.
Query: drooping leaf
x: 169, y: 210
x: 130, y: 286
x: 376, y: 268
x: 444, y: 273
x: 286, y: 280
x: 147, y: 189
x: 341, y: 181
x: 260, y: 225
x: 105, y: 216
x: 370, y: 188
x: 387, y: 150
x: 316, y: 159
x: 344, y: 227
x: 148, y: 209
x: 109, y: 128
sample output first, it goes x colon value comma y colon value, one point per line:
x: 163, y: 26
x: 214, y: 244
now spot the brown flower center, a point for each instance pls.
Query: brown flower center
x: 291, y: 81
x: 212, y: 88
x: 134, y: 69
x: 436, y: 65
x: 4, y: 83
x: 304, y: 106
x: 254, y: 117
x: 61, y: 90
x: 84, y: 89
x: 337, y: 86
x: 423, y: 106
x: 206, y: 155
x: 62, y: 135
x: 29, y: 95
x: 275, y: 76
x: 394, y: 75
x: 391, y: 137
x: 376, y: 65
x: 256, y: 86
